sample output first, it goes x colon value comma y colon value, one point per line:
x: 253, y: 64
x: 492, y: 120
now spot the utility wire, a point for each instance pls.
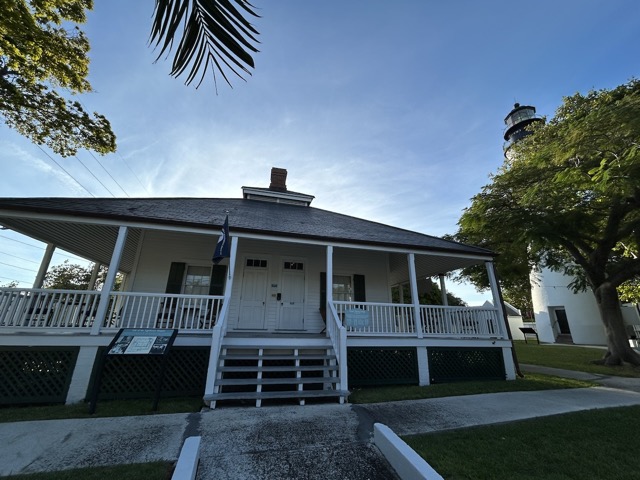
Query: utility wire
x: 62, y: 168
x: 15, y: 266
x: 107, y: 172
x: 24, y: 243
x: 94, y: 176
x: 134, y: 173
x: 19, y: 258
x: 15, y: 280
x: 42, y: 248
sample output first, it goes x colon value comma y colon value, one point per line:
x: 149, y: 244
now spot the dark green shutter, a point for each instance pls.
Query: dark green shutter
x: 323, y: 290
x: 176, y: 274
x: 218, y: 277
x: 359, y: 292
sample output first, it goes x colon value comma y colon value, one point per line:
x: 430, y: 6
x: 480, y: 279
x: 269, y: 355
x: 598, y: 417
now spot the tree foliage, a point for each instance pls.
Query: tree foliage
x: 569, y: 199
x: 43, y: 52
x: 71, y: 276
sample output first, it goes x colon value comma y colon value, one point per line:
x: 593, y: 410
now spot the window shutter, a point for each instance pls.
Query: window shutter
x: 359, y: 292
x: 218, y: 277
x: 176, y: 274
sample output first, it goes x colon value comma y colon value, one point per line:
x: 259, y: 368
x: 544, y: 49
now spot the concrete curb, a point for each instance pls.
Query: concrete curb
x: 405, y: 461
x: 187, y: 465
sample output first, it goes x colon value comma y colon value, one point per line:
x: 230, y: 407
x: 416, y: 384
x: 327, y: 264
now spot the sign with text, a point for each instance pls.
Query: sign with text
x: 138, y: 341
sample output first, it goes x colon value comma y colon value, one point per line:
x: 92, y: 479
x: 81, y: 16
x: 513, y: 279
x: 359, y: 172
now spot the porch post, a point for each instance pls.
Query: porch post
x: 413, y: 282
x: 495, y: 293
x: 443, y: 290
x: 94, y: 276
x: 231, y: 270
x: 329, y: 285
x: 105, y: 294
x: 44, y: 265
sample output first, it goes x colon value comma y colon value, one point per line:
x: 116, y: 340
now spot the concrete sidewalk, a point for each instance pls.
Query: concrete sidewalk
x: 291, y: 442
x: 623, y: 383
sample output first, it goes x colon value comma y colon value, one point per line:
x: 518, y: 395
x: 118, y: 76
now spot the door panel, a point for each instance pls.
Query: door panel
x: 291, y: 305
x: 252, y: 302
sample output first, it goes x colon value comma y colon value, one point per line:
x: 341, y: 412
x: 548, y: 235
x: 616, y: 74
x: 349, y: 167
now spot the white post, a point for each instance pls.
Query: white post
x: 231, y: 271
x: 328, y: 287
x: 413, y: 282
x: 443, y: 291
x: 94, y: 276
x: 493, y: 282
x: 103, y: 304
x: 44, y: 265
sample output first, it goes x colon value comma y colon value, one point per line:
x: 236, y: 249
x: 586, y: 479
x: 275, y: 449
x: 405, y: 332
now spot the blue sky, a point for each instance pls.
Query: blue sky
x: 389, y: 111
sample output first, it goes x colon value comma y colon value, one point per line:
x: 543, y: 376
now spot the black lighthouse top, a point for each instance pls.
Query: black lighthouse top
x: 516, y: 121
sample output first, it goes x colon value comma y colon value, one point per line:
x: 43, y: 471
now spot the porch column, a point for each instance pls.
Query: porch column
x: 329, y: 285
x: 495, y: 293
x: 443, y: 291
x: 94, y: 276
x: 413, y: 282
x: 44, y: 265
x: 231, y: 270
x: 103, y: 304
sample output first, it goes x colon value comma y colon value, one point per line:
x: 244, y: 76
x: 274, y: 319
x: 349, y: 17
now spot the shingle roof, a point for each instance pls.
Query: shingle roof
x: 244, y: 216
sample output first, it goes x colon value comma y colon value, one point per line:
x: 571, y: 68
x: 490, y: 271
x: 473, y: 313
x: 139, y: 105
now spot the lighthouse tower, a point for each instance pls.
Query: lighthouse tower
x: 516, y: 121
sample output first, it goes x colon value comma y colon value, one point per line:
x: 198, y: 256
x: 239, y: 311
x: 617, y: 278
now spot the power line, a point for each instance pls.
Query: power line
x: 19, y: 258
x: 107, y: 172
x: 24, y: 243
x: 62, y: 168
x: 134, y: 173
x: 21, y: 268
x: 93, y: 175
x: 16, y: 280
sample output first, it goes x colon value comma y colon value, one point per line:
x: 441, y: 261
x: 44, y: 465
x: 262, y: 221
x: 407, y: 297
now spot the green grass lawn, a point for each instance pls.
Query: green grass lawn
x: 142, y: 471
x: 113, y: 408
x: 570, y: 358
x: 592, y: 444
x: 532, y: 381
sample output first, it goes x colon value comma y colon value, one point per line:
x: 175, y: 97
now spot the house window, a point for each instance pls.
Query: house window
x: 293, y: 266
x: 256, y: 262
x: 342, y: 290
x: 196, y: 281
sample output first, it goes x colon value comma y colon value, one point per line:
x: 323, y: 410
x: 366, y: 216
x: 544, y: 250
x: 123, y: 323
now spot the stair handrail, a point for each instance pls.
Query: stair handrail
x: 217, y: 335
x: 338, y: 336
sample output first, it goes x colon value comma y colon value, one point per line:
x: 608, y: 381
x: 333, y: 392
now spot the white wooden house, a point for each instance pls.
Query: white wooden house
x: 302, y: 308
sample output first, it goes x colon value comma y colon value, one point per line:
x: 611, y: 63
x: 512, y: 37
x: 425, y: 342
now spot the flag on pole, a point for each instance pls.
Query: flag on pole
x: 223, y: 248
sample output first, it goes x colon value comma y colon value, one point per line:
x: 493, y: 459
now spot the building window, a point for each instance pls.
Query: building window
x: 255, y: 262
x: 196, y: 281
x: 342, y: 289
x: 293, y: 266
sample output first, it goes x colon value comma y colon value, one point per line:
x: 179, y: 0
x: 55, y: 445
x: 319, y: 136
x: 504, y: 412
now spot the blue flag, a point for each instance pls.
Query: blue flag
x: 223, y: 248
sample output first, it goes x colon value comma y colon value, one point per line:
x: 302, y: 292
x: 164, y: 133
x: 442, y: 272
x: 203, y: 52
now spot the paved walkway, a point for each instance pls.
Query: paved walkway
x: 290, y: 442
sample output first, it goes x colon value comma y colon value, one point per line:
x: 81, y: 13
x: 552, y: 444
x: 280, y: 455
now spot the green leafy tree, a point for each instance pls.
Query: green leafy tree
x: 42, y: 51
x: 71, y: 276
x: 569, y: 199
x: 44, y: 59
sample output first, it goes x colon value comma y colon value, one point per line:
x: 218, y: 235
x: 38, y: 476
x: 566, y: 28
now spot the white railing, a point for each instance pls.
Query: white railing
x: 76, y: 309
x: 338, y: 335
x: 377, y: 318
x: 461, y: 321
x: 152, y: 310
x: 367, y: 319
x: 217, y: 336
x: 43, y: 308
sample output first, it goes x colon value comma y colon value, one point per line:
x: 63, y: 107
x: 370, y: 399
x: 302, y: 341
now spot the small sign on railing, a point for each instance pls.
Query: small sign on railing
x: 356, y: 318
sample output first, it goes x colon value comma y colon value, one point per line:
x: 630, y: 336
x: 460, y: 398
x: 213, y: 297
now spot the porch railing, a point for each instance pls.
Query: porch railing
x: 44, y: 308
x: 152, y: 310
x: 75, y: 309
x: 365, y: 319
x: 338, y: 335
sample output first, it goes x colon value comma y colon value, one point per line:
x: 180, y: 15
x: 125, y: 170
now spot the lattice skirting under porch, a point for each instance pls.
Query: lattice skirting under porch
x: 382, y: 366
x: 449, y: 364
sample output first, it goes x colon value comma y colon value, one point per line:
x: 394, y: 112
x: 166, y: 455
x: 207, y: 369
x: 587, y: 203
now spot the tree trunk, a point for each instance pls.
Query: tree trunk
x: 617, y: 337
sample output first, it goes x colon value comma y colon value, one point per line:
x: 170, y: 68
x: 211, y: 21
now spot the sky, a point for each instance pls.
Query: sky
x: 388, y: 111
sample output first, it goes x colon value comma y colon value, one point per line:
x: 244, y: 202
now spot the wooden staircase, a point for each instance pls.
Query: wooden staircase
x: 275, y: 371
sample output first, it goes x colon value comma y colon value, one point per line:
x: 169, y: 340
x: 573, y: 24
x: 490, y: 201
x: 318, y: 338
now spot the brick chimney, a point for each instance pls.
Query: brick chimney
x: 278, y: 179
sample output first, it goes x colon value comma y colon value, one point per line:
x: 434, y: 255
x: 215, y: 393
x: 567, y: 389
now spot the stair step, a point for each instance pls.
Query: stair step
x: 243, y: 356
x: 279, y: 368
x: 268, y: 395
x: 276, y: 381
x: 276, y: 347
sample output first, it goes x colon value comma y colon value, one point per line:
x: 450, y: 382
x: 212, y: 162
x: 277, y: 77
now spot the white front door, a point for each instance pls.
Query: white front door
x: 254, y: 294
x: 291, y: 301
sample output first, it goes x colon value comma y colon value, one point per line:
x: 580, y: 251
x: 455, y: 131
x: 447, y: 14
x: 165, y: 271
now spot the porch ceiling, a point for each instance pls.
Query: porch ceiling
x: 90, y: 241
x: 427, y: 265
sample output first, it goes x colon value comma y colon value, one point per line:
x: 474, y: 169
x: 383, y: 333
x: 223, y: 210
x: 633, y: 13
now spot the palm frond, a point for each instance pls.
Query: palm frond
x: 214, y: 34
